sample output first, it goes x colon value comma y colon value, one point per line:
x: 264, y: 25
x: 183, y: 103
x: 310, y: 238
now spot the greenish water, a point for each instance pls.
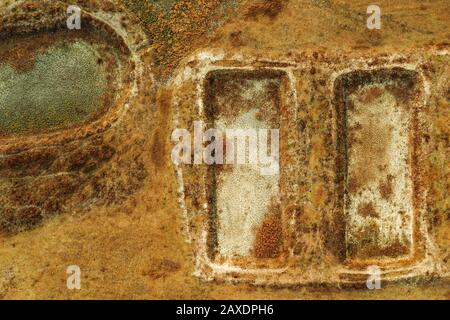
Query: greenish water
x: 63, y: 88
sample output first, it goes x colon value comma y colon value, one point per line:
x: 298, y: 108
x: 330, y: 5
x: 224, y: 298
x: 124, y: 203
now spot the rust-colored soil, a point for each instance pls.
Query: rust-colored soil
x: 104, y: 196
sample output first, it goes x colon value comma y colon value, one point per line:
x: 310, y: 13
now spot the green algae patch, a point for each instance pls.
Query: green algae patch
x: 64, y: 87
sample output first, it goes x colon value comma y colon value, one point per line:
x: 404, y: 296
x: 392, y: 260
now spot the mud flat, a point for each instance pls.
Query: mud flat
x: 54, y: 81
x: 378, y: 139
x: 245, y: 203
